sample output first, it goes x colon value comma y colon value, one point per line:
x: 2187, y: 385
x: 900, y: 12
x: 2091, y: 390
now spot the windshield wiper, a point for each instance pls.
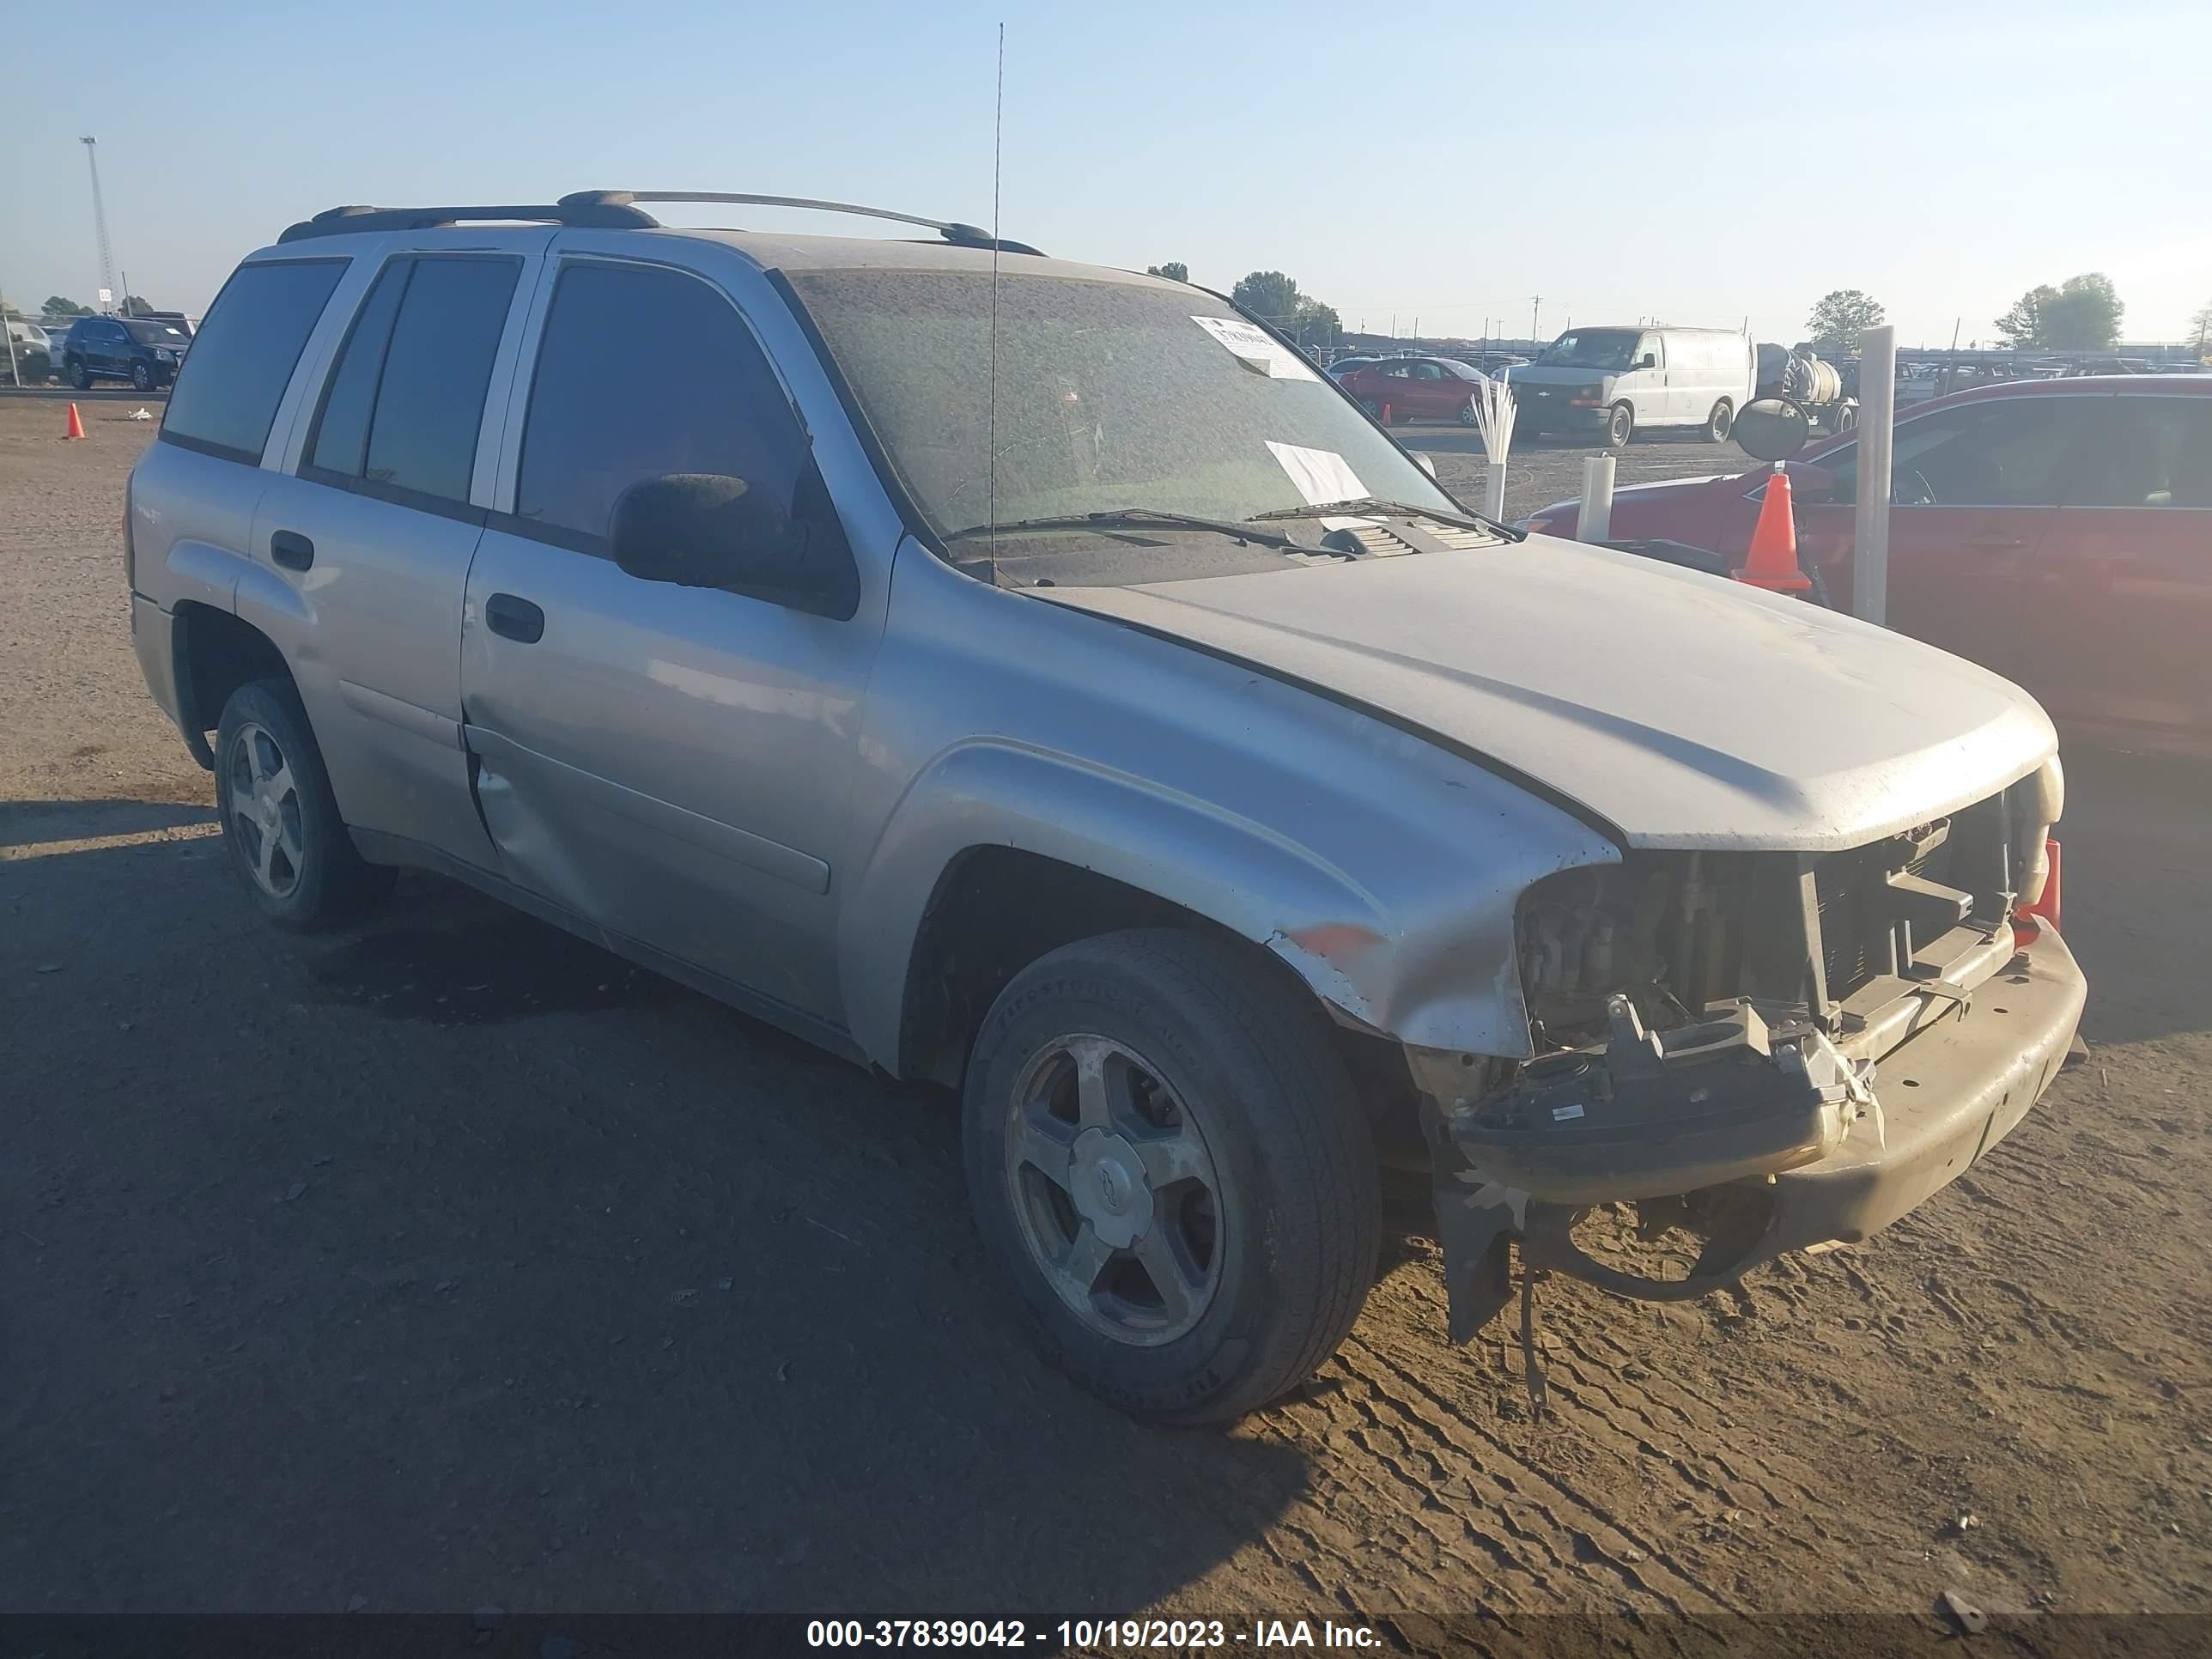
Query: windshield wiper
x: 1135, y: 515
x: 1376, y: 504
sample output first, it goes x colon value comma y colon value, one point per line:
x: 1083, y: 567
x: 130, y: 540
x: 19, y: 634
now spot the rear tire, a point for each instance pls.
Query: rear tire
x: 1206, y: 1234
x: 1720, y: 423
x: 1619, y: 426
x: 281, y: 826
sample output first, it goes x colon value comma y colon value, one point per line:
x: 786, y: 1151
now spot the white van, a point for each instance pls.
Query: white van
x: 1614, y: 382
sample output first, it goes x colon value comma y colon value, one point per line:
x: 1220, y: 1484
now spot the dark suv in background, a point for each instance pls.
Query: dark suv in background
x: 143, y: 350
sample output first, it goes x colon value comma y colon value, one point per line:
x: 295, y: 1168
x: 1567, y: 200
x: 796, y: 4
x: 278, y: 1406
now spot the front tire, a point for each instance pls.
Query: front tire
x: 1720, y: 423
x: 79, y: 376
x: 1168, y: 1158
x: 1619, y: 426
x: 281, y: 826
x: 141, y: 377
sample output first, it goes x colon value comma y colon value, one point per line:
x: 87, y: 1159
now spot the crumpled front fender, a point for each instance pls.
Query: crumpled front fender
x: 1402, y: 929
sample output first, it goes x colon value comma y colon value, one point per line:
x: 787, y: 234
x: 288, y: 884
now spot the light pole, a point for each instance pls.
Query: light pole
x: 100, y: 218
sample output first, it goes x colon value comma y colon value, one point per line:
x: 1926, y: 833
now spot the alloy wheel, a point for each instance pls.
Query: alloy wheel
x: 265, y: 809
x: 1114, y: 1189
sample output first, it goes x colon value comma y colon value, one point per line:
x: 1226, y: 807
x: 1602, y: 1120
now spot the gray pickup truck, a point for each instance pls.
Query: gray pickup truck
x: 1038, y: 680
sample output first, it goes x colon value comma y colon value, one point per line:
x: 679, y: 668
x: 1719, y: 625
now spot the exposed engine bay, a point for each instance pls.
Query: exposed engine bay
x: 1706, y: 1023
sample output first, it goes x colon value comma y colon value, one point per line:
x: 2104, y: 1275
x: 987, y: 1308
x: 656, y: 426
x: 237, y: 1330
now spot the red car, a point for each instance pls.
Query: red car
x: 1397, y: 389
x: 2058, y: 531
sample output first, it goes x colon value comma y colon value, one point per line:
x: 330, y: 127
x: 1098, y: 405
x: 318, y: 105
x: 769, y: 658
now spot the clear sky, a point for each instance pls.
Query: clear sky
x: 1687, y: 161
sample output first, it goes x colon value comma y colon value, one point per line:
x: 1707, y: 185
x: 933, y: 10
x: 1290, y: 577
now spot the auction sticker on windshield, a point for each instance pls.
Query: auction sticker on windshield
x: 1256, y: 348
x: 1322, y: 476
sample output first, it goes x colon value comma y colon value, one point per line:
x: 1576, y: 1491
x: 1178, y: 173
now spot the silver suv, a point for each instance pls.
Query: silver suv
x: 1039, y: 680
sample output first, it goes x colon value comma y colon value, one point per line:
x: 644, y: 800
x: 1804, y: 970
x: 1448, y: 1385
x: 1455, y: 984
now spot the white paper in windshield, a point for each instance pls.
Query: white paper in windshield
x: 1320, y: 476
x: 1256, y: 348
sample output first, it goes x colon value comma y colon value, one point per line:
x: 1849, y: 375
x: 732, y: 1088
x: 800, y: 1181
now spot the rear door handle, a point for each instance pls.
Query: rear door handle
x: 291, y: 550
x: 1995, y: 542
x: 514, y: 618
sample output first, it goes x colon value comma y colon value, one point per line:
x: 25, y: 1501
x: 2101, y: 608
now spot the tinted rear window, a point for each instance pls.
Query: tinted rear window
x: 342, y: 429
x: 430, y: 401
x: 235, y: 374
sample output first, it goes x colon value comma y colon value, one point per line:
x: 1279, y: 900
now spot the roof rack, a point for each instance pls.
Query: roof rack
x: 612, y: 210
x: 346, y: 220
x: 952, y: 231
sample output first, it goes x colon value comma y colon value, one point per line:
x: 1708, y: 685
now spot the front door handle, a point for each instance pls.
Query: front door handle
x: 1995, y: 542
x: 514, y: 618
x: 291, y: 550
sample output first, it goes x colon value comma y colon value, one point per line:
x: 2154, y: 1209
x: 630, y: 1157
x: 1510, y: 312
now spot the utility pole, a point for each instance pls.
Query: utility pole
x: 1536, y: 310
x: 100, y: 216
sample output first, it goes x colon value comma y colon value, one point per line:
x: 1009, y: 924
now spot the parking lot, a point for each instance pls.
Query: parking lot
x: 449, y: 1261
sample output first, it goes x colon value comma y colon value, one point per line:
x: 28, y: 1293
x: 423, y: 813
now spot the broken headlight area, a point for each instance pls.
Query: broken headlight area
x: 1704, y: 1023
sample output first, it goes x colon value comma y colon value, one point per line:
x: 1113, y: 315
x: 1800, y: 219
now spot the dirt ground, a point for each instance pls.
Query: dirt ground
x: 450, y: 1262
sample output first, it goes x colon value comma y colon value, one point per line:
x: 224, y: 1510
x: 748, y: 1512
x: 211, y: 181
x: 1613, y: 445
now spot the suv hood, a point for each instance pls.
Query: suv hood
x: 1683, y: 710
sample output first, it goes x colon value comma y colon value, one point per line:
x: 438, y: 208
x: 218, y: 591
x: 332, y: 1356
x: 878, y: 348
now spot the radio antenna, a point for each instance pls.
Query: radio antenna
x: 991, y: 484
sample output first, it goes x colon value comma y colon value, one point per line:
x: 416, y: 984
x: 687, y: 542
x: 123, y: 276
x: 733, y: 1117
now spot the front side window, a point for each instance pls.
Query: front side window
x: 1649, y: 347
x: 234, y: 376
x: 1427, y: 372
x: 2012, y: 452
x: 2153, y: 452
x: 606, y: 412
x: 1110, y: 397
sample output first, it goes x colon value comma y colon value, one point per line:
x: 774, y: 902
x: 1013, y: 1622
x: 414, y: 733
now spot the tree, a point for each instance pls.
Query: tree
x: 1271, y: 295
x: 2083, y: 314
x: 1840, y: 318
x: 1314, y: 325
x: 2200, y: 327
x: 135, y: 307
x: 2023, y: 324
x: 56, y: 306
x: 1175, y: 270
x: 2086, y: 315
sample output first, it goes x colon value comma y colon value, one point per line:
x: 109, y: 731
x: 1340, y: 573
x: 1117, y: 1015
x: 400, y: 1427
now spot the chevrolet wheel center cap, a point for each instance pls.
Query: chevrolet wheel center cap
x: 1108, y: 1183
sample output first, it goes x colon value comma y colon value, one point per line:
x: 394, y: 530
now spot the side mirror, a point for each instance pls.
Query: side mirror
x: 1771, y: 428
x: 1648, y: 360
x: 707, y: 530
x: 1426, y: 461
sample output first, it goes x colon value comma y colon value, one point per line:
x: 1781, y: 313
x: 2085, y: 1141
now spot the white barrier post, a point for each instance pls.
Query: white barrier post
x: 1877, y: 429
x: 1595, y: 522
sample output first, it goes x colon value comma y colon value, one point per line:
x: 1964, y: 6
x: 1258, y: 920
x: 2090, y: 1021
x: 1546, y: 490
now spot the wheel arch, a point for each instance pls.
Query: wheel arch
x: 999, y: 854
x: 216, y: 651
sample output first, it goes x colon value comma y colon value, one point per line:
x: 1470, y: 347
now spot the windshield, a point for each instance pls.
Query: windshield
x: 150, y: 331
x: 1111, y: 395
x: 1592, y: 347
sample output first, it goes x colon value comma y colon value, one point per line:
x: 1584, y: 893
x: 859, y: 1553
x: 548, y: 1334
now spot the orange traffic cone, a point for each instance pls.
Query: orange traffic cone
x: 1771, y: 562
x: 76, y: 424
x: 1386, y: 414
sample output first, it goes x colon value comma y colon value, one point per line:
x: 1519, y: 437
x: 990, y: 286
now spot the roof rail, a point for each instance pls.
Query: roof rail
x: 952, y: 231
x: 591, y: 215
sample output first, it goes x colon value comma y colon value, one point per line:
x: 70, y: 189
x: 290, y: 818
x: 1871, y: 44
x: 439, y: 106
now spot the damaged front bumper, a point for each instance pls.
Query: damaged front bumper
x: 1787, y: 1138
